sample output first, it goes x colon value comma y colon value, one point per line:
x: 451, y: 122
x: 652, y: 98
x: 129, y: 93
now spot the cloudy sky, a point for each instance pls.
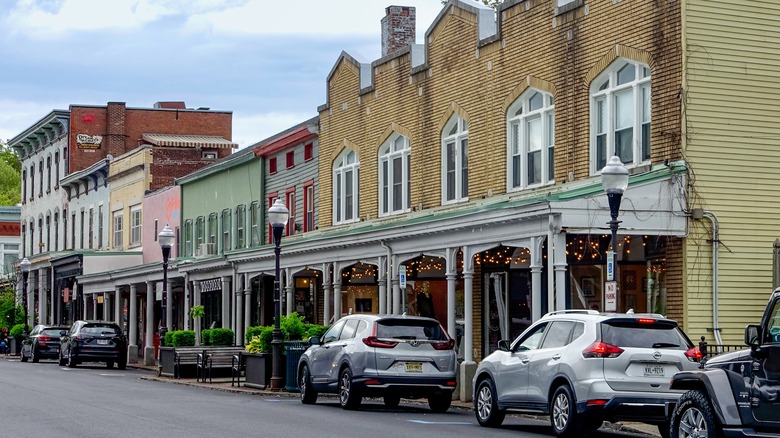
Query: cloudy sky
x: 266, y: 61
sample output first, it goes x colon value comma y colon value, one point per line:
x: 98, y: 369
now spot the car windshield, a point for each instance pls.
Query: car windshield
x: 100, y: 330
x: 638, y: 335
x: 410, y: 329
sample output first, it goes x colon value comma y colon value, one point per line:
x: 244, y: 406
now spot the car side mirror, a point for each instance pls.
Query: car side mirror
x: 314, y: 340
x: 503, y: 345
x: 753, y: 335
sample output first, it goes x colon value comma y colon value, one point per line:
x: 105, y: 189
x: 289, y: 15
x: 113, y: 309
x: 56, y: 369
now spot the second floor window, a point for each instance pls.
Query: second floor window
x: 188, y: 238
x: 56, y: 231
x: 346, y: 171
x: 200, y: 231
x: 531, y: 122
x: 117, y: 227
x: 135, y: 225
x: 290, y: 202
x: 91, y: 228
x: 254, y: 218
x: 213, y: 225
x: 32, y: 182
x: 455, y: 160
x: 308, y: 207
x: 240, y: 226
x: 24, y: 186
x: 48, y: 174
x: 226, y: 243
x: 394, y: 175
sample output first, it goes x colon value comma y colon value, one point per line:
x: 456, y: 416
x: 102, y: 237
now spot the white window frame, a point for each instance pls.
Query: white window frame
x: 346, y: 168
x: 241, y: 226
x: 394, y: 150
x: 520, y: 120
x: 136, y: 221
x: 604, y: 94
x: 116, y: 226
x: 455, y: 133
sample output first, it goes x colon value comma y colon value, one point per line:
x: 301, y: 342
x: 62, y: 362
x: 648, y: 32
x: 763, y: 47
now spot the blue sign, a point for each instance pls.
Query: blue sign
x: 402, y: 276
x: 610, y: 265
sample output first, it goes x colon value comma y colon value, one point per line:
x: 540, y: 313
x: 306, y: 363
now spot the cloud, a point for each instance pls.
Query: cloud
x: 251, y: 128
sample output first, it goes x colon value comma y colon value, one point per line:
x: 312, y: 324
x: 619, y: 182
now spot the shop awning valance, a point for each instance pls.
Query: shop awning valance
x: 189, y: 141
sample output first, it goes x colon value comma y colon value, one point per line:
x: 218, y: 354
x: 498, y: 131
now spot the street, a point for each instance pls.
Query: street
x: 44, y: 400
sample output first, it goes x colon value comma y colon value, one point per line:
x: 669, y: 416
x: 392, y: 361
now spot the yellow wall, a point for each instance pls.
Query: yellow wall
x: 129, y: 180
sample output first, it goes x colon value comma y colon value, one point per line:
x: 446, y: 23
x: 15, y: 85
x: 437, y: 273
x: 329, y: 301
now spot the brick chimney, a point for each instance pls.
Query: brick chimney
x: 398, y: 28
x: 116, y: 128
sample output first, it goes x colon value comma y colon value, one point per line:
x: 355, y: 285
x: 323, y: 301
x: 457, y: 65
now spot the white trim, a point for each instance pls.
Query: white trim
x: 341, y: 168
x: 455, y: 136
x: 387, y: 155
x: 517, y: 131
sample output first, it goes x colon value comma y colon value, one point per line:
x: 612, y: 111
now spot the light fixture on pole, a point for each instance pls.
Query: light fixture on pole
x: 614, y: 178
x: 278, y: 215
x: 166, y: 239
x: 25, y: 267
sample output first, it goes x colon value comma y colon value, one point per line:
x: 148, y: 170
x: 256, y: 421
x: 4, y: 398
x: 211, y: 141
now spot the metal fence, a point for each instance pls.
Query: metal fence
x: 710, y: 350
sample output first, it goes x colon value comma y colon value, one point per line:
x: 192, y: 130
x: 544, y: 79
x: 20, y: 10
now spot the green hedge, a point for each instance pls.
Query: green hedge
x: 205, y: 337
x: 222, y: 336
x: 261, y: 342
x: 16, y: 331
x: 180, y: 338
x: 258, y: 338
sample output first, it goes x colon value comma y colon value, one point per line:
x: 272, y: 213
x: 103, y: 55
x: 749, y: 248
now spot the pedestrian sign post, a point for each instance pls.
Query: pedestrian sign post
x: 402, y: 275
x: 610, y: 296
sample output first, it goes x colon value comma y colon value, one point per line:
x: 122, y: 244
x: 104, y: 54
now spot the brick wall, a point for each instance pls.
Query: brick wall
x: 398, y: 28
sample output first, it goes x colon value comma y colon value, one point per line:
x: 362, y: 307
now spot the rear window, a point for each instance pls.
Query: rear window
x: 103, y: 329
x: 410, y: 329
x: 53, y: 331
x: 636, y: 335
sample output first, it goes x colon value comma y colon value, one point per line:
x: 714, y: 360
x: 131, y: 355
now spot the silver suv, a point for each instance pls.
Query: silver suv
x: 583, y: 367
x: 380, y: 356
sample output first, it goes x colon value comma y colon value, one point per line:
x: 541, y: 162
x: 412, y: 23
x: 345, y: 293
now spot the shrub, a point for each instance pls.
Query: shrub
x: 182, y: 338
x: 261, y: 342
x: 168, y: 341
x: 253, y: 331
x: 292, y: 326
x: 205, y: 336
x: 16, y: 331
x: 222, y: 336
x: 315, y: 330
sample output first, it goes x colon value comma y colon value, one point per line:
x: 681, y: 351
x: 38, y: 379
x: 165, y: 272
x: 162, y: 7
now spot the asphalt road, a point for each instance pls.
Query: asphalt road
x: 44, y: 400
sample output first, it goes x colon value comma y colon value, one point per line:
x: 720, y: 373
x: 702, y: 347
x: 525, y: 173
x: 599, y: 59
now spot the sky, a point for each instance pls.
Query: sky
x: 265, y: 61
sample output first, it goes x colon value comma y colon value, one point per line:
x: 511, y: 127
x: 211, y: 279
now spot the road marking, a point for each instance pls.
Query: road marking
x: 112, y: 375
x: 277, y: 400
x: 438, y: 422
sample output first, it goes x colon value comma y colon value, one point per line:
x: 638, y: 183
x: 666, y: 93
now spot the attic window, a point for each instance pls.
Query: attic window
x: 209, y: 155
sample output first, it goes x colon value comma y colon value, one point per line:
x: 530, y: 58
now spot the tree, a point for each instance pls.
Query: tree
x: 10, y: 177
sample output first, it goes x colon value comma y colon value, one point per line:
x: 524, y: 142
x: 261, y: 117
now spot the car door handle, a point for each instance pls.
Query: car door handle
x: 556, y: 357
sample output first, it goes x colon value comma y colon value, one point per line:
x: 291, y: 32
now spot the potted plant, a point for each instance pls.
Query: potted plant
x: 197, y: 312
x: 15, y: 339
x: 258, y: 357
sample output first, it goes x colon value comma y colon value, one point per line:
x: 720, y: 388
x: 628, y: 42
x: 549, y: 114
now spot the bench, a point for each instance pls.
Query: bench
x: 217, y: 358
x: 238, y: 369
x: 175, y: 361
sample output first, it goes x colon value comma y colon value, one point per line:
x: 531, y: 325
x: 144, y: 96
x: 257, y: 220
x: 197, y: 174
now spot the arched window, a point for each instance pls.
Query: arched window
x: 394, y: 175
x: 620, y: 115
x: 531, y: 122
x: 455, y: 160
x: 346, y: 176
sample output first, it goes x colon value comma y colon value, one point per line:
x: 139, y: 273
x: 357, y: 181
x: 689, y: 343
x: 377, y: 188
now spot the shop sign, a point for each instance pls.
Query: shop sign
x: 610, y: 296
x: 86, y: 141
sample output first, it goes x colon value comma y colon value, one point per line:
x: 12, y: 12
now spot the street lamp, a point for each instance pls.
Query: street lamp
x: 166, y: 239
x: 278, y: 215
x: 25, y: 266
x: 614, y: 178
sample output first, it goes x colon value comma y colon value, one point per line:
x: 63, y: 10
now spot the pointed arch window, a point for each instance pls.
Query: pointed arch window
x: 455, y: 160
x: 531, y: 121
x: 346, y: 177
x: 394, y: 175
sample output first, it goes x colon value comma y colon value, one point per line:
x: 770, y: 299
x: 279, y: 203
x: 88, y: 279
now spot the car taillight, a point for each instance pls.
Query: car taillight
x: 44, y: 338
x: 601, y: 350
x: 694, y: 354
x: 449, y: 345
x: 646, y: 321
x: 373, y: 341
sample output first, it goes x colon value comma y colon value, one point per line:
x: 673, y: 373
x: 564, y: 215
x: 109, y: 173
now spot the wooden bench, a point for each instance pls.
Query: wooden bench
x: 238, y: 369
x: 216, y: 358
x: 174, y: 361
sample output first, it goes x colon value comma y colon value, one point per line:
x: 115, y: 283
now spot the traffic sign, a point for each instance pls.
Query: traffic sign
x: 402, y: 276
x: 610, y: 296
x: 610, y: 265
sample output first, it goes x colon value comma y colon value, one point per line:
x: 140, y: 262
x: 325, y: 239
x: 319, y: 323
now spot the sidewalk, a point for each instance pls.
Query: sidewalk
x: 223, y: 384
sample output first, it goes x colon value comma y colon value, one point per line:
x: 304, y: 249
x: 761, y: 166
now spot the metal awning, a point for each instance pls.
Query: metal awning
x: 189, y: 141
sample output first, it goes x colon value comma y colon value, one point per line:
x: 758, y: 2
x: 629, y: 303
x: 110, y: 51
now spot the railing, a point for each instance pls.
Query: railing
x: 709, y: 350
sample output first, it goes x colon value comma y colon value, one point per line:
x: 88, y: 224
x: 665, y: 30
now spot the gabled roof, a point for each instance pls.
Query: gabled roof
x: 295, y: 135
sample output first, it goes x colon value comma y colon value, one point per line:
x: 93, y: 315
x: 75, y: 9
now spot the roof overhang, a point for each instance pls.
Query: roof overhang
x: 189, y: 141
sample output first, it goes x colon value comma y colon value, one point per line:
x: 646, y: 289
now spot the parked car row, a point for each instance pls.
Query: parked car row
x: 84, y: 341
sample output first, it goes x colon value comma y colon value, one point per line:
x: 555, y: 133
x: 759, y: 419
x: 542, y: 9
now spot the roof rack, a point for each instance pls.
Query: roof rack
x: 578, y: 311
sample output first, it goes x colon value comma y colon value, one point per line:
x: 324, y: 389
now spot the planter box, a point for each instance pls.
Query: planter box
x: 258, y: 370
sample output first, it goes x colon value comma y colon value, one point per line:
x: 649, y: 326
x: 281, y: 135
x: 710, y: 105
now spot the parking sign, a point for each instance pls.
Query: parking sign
x: 402, y: 276
x: 610, y: 296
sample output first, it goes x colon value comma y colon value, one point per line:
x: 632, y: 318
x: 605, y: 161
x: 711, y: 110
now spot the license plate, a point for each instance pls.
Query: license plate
x: 413, y: 367
x: 102, y: 341
x: 654, y: 370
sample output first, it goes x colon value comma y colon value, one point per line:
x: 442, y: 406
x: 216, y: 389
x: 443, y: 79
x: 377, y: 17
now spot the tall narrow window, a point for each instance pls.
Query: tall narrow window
x: 272, y: 165
x: 48, y: 174
x: 308, y: 206
x: 290, y: 202
x: 24, y: 186
x: 240, y: 226
x: 346, y: 177
x: 531, y: 121
x: 136, y: 222
x: 32, y: 237
x: 200, y: 231
x: 32, y: 182
x: 40, y: 178
x: 100, y: 227
x: 226, y: 243
x: 56, y: 169
x: 620, y: 115
x: 290, y: 159
x: 117, y: 227
x: 56, y: 231
x: 308, y: 151
x: 81, y: 227
x: 188, y: 238
x: 65, y: 229
x: 394, y: 175
x: 48, y: 232
x: 271, y: 199
x: 254, y: 225
x: 73, y: 230
x: 91, y: 228
x: 40, y: 234
x: 213, y: 225
x: 455, y: 160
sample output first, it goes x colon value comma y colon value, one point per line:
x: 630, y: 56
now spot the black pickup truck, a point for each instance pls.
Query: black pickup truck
x: 735, y: 394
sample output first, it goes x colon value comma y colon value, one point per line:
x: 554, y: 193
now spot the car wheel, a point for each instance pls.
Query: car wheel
x: 563, y: 413
x: 308, y: 395
x: 122, y: 364
x: 24, y: 357
x: 391, y: 400
x: 33, y: 356
x: 348, y: 396
x: 71, y: 360
x: 486, y: 405
x: 440, y: 402
x: 62, y: 359
x: 109, y: 364
x: 693, y: 417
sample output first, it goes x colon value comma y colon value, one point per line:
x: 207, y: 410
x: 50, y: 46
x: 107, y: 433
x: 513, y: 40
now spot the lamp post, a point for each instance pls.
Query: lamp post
x: 25, y: 266
x: 166, y: 239
x: 278, y: 215
x: 614, y: 178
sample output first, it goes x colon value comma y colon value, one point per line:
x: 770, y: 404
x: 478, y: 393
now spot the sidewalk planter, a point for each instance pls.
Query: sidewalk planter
x: 258, y: 370
x: 294, y: 350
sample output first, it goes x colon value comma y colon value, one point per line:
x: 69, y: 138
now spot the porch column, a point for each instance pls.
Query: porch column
x: 186, y: 298
x: 396, y: 285
x: 196, y: 302
x: 95, y: 304
x: 132, y: 352
x: 336, y: 296
x: 118, y: 314
x: 107, y: 306
x: 225, y: 302
x: 468, y: 367
x: 536, y: 277
x: 382, y: 267
x: 247, y: 302
x: 149, y: 358
x: 327, y: 287
x: 560, y: 270
x: 239, y: 299
x: 289, y: 282
x: 451, y: 274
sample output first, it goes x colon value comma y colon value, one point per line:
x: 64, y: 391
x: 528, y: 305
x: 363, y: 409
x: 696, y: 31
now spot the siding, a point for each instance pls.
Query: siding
x: 731, y: 140
x: 285, y: 178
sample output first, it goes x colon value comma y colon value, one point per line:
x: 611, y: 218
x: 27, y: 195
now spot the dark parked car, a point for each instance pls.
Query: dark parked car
x: 380, y: 356
x: 93, y: 341
x: 42, y: 343
x: 735, y: 394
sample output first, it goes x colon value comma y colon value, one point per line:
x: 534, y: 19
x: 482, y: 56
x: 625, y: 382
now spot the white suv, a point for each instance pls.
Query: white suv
x: 583, y: 367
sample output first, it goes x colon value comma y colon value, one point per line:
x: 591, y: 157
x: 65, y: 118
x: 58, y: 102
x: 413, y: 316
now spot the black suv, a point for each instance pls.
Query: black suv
x: 735, y: 394
x: 93, y: 341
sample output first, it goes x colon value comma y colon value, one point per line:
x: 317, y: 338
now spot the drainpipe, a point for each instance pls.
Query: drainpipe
x: 698, y: 214
x: 389, y: 272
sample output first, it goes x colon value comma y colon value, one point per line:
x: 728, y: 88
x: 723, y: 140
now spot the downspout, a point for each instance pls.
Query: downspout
x: 715, y: 243
x: 388, y: 280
